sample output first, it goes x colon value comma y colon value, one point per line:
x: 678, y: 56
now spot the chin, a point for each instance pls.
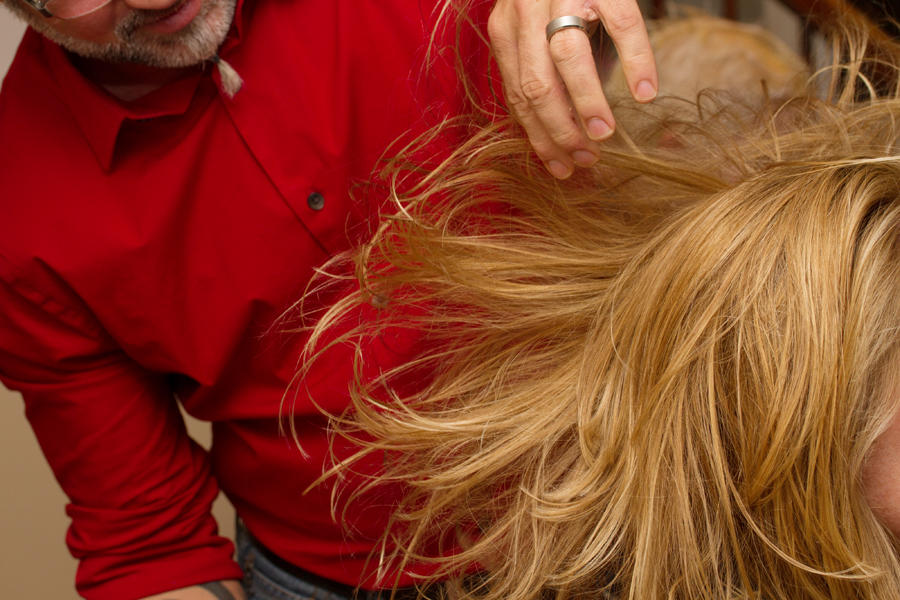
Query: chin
x: 197, y: 42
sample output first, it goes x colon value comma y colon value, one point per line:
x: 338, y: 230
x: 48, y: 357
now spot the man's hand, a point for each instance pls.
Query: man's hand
x: 553, y: 88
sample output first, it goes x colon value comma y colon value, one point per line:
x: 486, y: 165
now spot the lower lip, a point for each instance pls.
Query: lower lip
x: 177, y: 21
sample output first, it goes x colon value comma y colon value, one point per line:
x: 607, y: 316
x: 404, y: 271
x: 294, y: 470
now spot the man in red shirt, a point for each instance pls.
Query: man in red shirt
x: 154, y: 226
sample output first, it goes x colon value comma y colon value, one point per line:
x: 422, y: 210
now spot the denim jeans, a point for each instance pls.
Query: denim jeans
x: 264, y: 580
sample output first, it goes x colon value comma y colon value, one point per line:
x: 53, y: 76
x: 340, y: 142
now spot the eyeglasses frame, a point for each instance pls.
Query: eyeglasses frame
x: 41, y: 7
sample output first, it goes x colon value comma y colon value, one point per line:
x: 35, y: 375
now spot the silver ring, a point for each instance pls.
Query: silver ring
x: 567, y: 22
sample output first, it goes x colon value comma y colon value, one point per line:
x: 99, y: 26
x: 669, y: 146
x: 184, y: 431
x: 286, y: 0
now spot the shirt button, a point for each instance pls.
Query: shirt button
x: 316, y: 201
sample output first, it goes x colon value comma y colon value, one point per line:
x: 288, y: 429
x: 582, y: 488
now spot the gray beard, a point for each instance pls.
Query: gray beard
x: 197, y: 42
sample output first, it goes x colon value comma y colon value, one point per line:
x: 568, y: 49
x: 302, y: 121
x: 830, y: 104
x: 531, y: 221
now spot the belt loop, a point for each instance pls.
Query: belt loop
x: 247, y: 566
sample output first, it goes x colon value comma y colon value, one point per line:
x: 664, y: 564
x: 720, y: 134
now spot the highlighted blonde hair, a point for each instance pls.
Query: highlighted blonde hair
x: 658, y: 379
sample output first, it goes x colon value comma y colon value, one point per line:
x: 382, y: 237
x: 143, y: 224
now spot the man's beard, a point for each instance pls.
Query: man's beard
x: 197, y: 42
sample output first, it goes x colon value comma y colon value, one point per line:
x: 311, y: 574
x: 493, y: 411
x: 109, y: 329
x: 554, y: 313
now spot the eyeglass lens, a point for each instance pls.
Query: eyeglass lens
x: 72, y: 9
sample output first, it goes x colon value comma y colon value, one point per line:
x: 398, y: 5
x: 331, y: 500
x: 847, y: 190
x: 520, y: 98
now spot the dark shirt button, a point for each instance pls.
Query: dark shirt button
x: 316, y: 201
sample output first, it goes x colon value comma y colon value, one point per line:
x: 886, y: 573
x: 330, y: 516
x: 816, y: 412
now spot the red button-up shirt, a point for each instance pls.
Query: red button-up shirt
x: 146, y: 249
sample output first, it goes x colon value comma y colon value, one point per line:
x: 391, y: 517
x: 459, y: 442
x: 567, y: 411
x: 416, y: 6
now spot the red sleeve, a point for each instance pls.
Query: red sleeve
x: 140, y: 488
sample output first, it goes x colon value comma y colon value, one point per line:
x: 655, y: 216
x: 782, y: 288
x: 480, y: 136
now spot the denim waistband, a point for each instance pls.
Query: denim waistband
x: 267, y: 576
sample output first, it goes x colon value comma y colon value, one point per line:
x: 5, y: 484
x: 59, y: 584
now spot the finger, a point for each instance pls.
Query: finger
x: 506, y: 52
x: 546, y: 100
x: 557, y: 161
x: 502, y: 33
x: 502, y: 36
x: 623, y: 22
x: 571, y: 53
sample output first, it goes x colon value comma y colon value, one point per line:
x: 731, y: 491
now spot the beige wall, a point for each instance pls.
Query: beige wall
x: 34, y: 561
x: 10, y: 34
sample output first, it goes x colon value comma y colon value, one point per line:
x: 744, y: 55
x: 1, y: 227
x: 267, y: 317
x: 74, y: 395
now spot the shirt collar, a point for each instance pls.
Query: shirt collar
x: 100, y: 116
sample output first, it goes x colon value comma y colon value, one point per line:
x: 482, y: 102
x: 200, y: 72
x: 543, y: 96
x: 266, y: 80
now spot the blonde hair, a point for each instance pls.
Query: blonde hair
x: 658, y: 379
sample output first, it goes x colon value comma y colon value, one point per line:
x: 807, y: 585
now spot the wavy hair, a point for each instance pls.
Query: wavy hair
x: 658, y: 379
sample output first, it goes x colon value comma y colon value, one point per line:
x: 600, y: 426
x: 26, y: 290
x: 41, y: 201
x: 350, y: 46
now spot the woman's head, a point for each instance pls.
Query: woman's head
x: 698, y: 52
x: 672, y: 377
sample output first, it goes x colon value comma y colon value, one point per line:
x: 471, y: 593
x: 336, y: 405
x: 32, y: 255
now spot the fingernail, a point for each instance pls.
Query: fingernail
x: 645, y: 91
x: 558, y: 169
x: 583, y: 158
x: 598, y: 129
